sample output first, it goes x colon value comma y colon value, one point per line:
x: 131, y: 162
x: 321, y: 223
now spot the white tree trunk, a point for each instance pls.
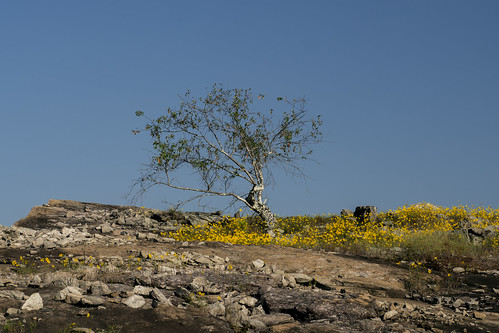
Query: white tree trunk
x: 254, y: 199
x: 269, y: 219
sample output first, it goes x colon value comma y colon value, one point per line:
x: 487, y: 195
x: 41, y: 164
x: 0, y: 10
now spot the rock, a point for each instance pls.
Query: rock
x: 258, y: 263
x: 365, y: 214
x: 258, y: 310
x: 12, y: 294
x: 200, y: 259
x: 49, y: 245
x: 39, y: 216
x: 248, y: 301
x: 274, y: 319
x: 310, y: 305
x: 211, y: 289
x: 142, y: 291
x: 217, y: 260
x: 346, y: 213
x: 479, y: 315
x: 236, y: 314
x: 458, y: 270
x: 458, y: 303
x: 199, y: 283
x: 11, y: 311
x: 84, y: 285
x: 166, y: 269
x: 73, y: 298
x: 82, y: 330
x: 256, y: 324
x: 99, y: 288
x: 325, y: 283
x: 33, y: 303
x: 202, y: 218
x: 61, y: 295
x: 106, y: 228
x: 35, y: 282
x: 66, y: 232
x: 183, y: 293
x: 88, y: 300
x: 392, y: 314
x: 151, y: 237
x: 141, y: 235
x: 216, y: 309
x: 135, y: 301
x: 63, y: 242
x: 288, y: 281
x: 159, y: 299
x: 409, y: 307
x: 426, y: 206
x: 301, y: 278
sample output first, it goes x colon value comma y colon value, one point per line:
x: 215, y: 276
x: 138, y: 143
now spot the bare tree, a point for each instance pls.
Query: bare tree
x: 227, y: 145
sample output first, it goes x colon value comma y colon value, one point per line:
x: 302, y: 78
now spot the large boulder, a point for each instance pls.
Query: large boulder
x: 33, y: 303
x: 365, y: 214
x: 308, y: 305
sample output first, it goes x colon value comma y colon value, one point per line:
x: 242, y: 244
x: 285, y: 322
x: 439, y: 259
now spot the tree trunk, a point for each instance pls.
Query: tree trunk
x: 254, y: 200
x: 269, y: 219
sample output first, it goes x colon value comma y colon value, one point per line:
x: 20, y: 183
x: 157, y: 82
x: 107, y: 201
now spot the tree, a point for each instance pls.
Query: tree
x: 228, y: 145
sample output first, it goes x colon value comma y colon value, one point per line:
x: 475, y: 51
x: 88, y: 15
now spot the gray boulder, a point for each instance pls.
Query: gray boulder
x: 33, y: 303
x: 99, y: 288
x: 89, y: 300
x: 135, y: 301
x: 310, y: 305
x: 159, y: 299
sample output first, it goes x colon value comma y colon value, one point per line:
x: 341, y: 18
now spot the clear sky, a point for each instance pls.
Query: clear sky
x: 408, y: 90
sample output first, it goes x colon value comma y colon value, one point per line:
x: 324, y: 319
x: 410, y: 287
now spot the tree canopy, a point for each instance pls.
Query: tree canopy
x: 223, y: 140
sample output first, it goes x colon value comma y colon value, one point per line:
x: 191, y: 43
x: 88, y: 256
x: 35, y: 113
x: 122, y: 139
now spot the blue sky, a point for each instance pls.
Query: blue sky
x: 408, y: 91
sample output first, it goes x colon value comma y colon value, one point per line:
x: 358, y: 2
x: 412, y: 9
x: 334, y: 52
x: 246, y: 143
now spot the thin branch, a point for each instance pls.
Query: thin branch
x: 224, y: 194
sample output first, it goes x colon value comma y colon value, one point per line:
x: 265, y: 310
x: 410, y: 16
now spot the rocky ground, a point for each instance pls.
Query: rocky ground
x: 81, y: 267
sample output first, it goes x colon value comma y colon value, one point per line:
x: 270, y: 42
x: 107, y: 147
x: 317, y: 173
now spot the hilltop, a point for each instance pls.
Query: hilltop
x: 80, y: 267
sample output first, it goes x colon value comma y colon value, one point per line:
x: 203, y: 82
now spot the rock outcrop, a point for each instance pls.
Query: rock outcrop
x: 58, y: 213
x: 62, y: 223
x: 100, y: 265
